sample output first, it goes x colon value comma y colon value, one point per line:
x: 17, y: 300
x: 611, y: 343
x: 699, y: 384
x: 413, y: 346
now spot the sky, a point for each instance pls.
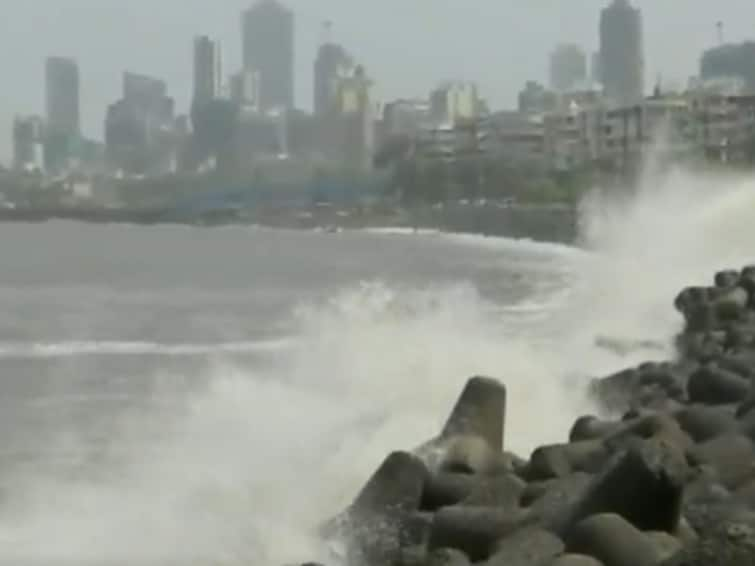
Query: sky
x: 407, y: 46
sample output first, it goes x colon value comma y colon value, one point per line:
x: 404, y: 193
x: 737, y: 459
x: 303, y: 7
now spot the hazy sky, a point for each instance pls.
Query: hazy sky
x: 407, y: 45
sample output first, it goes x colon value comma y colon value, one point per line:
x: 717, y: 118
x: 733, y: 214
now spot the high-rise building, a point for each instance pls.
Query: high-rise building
x: 595, y: 72
x: 568, y: 67
x: 62, y: 89
x: 268, y: 48
x: 621, y: 52
x: 332, y: 63
x: 208, y: 70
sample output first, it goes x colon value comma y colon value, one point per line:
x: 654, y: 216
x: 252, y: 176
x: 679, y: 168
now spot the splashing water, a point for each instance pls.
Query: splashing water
x: 241, y: 471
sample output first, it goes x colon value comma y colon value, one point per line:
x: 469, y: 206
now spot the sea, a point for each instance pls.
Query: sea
x: 210, y: 395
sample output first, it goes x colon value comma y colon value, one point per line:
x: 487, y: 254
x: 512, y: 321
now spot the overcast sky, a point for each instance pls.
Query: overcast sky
x: 406, y: 45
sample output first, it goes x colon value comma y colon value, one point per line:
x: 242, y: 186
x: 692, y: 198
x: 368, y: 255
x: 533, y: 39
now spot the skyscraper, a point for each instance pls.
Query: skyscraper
x: 208, y: 70
x: 621, y: 52
x: 568, y: 67
x: 333, y: 61
x: 62, y: 93
x: 268, y: 44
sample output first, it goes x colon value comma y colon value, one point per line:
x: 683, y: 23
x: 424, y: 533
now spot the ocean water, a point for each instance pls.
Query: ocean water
x: 179, y: 395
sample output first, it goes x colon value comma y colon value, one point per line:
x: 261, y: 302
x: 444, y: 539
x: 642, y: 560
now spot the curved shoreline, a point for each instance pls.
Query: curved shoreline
x: 540, y: 223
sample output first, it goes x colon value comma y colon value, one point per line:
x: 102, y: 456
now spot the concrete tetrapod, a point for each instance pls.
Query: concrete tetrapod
x: 643, y: 485
x: 613, y: 541
x: 475, y: 530
x: 471, y: 441
x: 383, y: 518
x: 526, y: 547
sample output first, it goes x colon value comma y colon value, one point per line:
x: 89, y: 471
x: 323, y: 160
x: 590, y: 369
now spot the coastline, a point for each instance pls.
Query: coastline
x: 537, y: 222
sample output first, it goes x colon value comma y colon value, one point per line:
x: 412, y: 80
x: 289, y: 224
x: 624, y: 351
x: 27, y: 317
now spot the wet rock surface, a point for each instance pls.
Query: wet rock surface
x: 669, y: 480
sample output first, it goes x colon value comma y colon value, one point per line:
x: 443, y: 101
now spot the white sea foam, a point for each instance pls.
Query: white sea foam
x: 23, y: 350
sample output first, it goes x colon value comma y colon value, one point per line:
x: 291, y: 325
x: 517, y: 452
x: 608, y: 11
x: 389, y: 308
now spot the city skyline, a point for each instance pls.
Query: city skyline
x: 397, y: 69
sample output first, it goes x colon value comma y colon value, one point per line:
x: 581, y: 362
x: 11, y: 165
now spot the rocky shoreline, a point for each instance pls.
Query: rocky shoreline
x: 670, y: 481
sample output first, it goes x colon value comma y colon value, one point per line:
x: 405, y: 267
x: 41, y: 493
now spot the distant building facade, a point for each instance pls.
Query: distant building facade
x: 406, y: 117
x: 730, y: 61
x: 245, y: 89
x: 453, y: 101
x: 355, y: 120
x: 63, y: 124
x: 332, y: 63
x: 268, y: 48
x: 140, y: 128
x: 208, y: 70
x: 622, y: 66
x: 28, y: 143
x: 62, y: 93
x: 534, y: 98
x: 568, y: 67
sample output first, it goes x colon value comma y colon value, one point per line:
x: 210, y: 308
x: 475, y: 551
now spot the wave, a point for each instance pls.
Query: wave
x: 26, y: 350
